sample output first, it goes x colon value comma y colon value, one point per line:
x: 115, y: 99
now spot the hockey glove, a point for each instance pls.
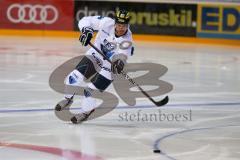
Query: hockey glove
x: 117, y: 66
x: 86, y: 36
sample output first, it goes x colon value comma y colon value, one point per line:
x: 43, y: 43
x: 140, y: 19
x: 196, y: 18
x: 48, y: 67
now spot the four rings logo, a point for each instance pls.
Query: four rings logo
x: 36, y: 14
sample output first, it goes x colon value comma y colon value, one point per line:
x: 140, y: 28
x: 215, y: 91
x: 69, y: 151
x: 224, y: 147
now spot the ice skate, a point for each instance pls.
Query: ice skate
x: 64, y: 103
x: 79, y: 118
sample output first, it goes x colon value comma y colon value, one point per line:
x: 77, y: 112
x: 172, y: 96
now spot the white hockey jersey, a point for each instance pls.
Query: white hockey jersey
x: 106, y: 40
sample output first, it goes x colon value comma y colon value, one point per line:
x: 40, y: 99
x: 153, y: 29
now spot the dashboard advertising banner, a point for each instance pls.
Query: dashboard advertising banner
x: 146, y: 18
x: 219, y: 21
x: 40, y: 15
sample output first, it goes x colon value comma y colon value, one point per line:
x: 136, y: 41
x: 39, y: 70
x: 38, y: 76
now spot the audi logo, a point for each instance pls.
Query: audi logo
x: 36, y: 14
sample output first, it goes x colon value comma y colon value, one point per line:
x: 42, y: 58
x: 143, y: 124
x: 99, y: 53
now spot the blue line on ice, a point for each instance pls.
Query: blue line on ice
x: 130, y: 107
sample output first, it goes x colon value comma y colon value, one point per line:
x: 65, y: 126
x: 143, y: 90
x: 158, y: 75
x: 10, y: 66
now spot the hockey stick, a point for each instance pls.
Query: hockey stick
x: 157, y: 103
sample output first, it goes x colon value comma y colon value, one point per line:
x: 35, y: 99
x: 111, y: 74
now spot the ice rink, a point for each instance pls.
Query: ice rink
x: 206, y: 91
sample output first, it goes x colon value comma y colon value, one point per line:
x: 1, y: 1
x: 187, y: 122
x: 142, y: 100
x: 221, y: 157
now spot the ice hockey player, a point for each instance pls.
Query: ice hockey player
x: 114, y: 39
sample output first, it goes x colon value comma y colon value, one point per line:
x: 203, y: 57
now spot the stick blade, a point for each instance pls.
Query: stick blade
x: 162, y: 102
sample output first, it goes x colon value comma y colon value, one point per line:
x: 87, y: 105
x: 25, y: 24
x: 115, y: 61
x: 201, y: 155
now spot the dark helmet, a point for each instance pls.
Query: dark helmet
x: 122, y: 16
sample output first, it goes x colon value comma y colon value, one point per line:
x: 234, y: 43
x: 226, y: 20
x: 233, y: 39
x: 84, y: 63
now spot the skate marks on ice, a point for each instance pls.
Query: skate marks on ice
x: 212, y: 134
x: 208, y: 82
x: 217, y: 142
